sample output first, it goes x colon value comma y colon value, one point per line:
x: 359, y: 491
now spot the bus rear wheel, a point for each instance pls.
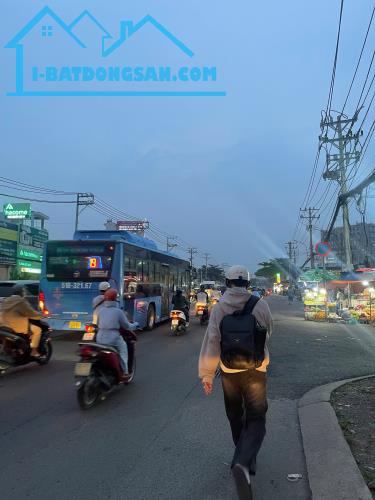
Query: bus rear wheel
x: 150, y: 317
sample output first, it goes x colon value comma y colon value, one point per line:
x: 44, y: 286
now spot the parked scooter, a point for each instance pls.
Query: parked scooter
x: 15, y: 348
x: 99, y: 370
x: 178, y: 322
x: 202, y: 312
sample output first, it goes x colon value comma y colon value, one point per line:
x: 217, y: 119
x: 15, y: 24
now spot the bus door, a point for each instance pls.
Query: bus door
x: 164, y: 290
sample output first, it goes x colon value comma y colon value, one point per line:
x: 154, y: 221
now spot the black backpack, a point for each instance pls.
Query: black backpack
x: 242, y: 338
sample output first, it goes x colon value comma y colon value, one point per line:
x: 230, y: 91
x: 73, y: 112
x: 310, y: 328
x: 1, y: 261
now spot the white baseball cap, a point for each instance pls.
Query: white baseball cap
x: 238, y: 273
x: 104, y: 286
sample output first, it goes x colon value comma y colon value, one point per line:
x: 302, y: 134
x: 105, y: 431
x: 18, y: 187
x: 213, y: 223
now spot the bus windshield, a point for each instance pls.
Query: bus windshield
x: 83, y: 261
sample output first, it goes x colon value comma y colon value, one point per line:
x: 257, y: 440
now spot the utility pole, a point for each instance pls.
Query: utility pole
x: 309, y: 215
x: 291, y: 252
x: 171, y: 245
x: 206, y: 256
x: 83, y: 200
x: 337, y: 165
x: 191, y: 251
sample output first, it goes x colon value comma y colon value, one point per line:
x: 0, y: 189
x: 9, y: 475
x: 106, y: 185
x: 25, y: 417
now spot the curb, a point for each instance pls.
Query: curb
x: 332, y: 470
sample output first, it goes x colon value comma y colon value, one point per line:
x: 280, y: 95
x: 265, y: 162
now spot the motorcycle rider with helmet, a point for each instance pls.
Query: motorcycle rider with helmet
x: 180, y: 303
x: 16, y: 313
x: 110, y: 320
x: 98, y: 301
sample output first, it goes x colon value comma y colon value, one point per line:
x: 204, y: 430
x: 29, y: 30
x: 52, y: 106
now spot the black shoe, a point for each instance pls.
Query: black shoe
x: 253, y: 467
x: 242, y: 479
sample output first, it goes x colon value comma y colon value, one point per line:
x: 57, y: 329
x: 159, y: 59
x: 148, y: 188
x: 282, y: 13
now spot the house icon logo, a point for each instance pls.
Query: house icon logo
x: 82, y: 58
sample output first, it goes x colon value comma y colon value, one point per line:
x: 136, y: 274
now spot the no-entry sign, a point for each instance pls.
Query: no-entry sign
x: 323, y: 248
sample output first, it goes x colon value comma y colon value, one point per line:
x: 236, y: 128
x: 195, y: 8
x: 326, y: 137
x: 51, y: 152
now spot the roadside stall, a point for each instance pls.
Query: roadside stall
x: 355, y: 293
x: 318, y: 303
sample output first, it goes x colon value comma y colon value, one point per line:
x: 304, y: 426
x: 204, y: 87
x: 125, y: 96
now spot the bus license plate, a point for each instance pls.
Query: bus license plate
x: 174, y: 321
x: 76, y: 325
x: 82, y: 369
x: 88, y: 336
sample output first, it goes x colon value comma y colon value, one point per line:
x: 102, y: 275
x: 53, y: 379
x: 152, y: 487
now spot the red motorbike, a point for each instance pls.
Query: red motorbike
x: 99, y: 370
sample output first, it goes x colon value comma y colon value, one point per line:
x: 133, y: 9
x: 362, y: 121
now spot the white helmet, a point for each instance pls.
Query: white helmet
x: 237, y: 273
x: 104, y: 286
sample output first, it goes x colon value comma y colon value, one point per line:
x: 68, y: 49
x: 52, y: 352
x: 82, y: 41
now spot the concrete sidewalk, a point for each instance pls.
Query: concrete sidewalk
x: 332, y: 469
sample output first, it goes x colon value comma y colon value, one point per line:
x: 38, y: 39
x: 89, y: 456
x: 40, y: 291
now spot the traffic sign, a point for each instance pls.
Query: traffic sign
x: 323, y: 248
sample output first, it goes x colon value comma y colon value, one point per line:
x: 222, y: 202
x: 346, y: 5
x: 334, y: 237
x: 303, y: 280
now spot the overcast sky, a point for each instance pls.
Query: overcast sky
x: 226, y: 174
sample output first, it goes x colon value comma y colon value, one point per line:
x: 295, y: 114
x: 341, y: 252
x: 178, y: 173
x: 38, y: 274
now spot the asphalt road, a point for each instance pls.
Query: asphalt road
x: 161, y: 438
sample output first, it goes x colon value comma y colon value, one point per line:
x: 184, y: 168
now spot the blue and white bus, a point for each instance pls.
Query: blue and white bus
x: 144, y: 276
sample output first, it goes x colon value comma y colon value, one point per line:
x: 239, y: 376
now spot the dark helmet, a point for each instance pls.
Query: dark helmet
x: 202, y: 288
x: 178, y: 292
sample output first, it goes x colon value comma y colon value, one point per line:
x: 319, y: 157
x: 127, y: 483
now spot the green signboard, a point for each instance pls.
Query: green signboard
x: 32, y: 236
x: 28, y: 266
x: 17, y: 210
x: 8, y: 243
x: 8, y: 252
x: 29, y: 253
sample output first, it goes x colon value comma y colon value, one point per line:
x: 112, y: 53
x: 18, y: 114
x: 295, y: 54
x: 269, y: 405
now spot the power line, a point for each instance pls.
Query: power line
x: 330, y: 94
x: 36, y: 200
x: 359, y: 59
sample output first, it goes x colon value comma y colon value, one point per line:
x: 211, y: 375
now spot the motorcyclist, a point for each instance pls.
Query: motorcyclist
x: 202, y: 296
x: 180, y: 303
x: 110, y: 320
x: 98, y: 301
x: 215, y: 294
x: 15, y: 314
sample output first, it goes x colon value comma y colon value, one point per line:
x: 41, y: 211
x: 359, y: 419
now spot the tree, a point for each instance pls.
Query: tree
x: 214, y: 273
x: 270, y: 268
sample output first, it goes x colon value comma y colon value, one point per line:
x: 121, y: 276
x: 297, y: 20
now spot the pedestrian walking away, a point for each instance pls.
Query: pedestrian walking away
x: 236, y: 339
x: 290, y: 295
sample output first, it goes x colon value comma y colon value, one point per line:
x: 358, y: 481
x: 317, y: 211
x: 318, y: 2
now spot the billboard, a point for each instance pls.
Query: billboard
x: 17, y: 210
x: 132, y: 225
x: 32, y: 236
x: 8, y: 244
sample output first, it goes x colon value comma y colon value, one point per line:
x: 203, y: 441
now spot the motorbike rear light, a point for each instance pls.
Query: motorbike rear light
x: 89, y: 328
x: 86, y: 351
x: 42, y: 304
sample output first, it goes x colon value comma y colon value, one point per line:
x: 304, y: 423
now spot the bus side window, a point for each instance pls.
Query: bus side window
x: 139, y: 270
x: 146, y: 275
x: 157, y: 272
x: 151, y: 271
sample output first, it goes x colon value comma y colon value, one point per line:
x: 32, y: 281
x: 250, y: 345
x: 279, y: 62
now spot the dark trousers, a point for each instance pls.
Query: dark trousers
x: 245, y: 396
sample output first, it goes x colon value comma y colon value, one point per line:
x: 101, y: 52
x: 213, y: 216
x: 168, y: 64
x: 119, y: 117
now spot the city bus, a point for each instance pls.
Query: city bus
x: 144, y: 276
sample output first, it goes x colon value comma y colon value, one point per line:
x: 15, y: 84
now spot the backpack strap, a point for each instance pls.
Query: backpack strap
x: 99, y: 304
x: 250, y: 304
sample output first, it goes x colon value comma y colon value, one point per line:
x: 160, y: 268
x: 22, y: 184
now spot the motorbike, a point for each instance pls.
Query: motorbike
x: 178, y: 321
x: 99, y: 370
x: 202, y: 312
x: 15, y: 348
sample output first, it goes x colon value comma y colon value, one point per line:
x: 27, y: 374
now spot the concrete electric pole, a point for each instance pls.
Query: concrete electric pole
x: 83, y: 200
x: 309, y: 215
x: 291, y: 248
x: 346, y: 144
x: 191, y: 251
x: 206, y: 256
